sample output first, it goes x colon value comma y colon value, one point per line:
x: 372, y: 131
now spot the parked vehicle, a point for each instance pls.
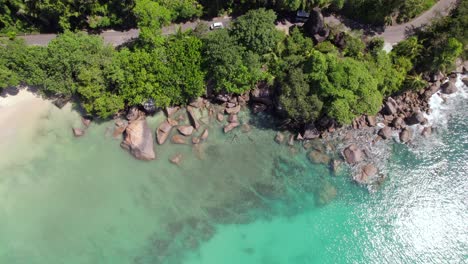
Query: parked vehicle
x: 216, y: 25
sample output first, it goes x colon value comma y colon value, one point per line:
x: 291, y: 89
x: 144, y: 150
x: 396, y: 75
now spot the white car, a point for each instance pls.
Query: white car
x: 216, y: 25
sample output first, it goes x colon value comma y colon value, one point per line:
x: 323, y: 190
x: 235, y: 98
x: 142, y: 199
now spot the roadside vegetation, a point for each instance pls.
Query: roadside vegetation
x: 342, y: 77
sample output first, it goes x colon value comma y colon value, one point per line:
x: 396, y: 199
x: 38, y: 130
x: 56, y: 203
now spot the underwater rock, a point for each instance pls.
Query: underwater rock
x: 204, y: 135
x: 291, y: 140
x: 353, y: 154
x: 230, y: 127
x: 367, y: 173
x: 279, y: 138
x: 195, y: 140
x: 220, y: 117
x: 335, y: 166
x: 139, y: 139
x: 86, y: 121
x: 233, y: 118
x: 176, y: 159
x: 78, y: 132
x: 178, y: 139
x: 245, y: 128
x: 318, y: 157
x: 427, y: 131
x: 325, y: 194
x: 233, y: 110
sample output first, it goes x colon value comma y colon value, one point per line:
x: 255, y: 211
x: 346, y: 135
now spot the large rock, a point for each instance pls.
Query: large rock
x: 390, y: 107
x: 406, y: 135
x: 185, y: 130
x: 318, y: 157
x: 86, y: 121
x: 229, y: 127
x: 233, y: 110
x: 163, y: 131
x: 192, y: 117
x: 448, y: 88
x: 170, y: 111
x: 133, y: 114
x: 78, y: 132
x: 385, y: 132
x: 139, y: 140
x: 371, y: 121
x: 465, y: 81
x: 61, y: 102
x: 398, y: 123
x: 311, y: 132
x: 366, y: 174
x: 353, y: 154
x: 427, y: 131
x: 415, y: 118
x: 120, y: 126
x: 315, y: 24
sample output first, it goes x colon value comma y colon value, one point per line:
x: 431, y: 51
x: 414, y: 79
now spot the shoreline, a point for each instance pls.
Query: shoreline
x: 411, y: 117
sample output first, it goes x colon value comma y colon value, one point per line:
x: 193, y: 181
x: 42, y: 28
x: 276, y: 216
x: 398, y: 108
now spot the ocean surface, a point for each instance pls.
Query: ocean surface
x: 239, y: 198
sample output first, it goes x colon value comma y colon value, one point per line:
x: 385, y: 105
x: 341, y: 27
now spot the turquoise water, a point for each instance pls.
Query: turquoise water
x: 239, y: 198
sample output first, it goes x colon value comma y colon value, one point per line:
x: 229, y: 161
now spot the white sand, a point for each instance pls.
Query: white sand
x: 20, y: 118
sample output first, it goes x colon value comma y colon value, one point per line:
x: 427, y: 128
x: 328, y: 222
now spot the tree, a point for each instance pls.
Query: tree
x: 297, y: 99
x: 150, y: 18
x: 256, y: 31
x: 445, y: 55
x: 231, y: 68
x: 345, y: 85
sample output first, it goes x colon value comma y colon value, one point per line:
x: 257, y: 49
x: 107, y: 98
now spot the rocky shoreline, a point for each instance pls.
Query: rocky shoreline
x: 325, y: 142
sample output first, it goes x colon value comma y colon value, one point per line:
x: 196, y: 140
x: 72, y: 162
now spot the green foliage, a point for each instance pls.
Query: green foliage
x: 409, y: 48
x: 345, y: 85
x: 297, y: 98
x: 182, y: 9
x: 354, y: 47
x: 170, y: 74
x: 445, y: 55
x: 230, y: 66
x: 150, y: 18
x: 415, y: 82
x: 256, y: 31
x: 381, y: 11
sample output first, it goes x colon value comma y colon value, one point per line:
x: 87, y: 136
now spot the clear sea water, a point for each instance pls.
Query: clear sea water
x: 239, y: 199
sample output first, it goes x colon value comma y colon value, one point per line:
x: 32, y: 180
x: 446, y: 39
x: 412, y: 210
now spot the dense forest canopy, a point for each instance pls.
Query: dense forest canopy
x: 337, y: 79
x: 61, y: 15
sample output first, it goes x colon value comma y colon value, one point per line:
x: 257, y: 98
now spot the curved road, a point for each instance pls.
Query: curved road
x: 391, y: 34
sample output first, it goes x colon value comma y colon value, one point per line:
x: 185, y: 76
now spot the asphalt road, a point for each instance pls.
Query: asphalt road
x: 391, y: 34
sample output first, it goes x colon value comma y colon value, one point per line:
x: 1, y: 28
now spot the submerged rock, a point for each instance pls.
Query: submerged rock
x: 86, y: 121
x: 319, y: 157
x: 178, y: 139
x: 78, y: 132
x: 353, y: 154
x: 204, y: 135
x: 220, y: 117
x: 279, y: 138
x: 427, y: 131
x: 325, y: 193
x: 139, y: 139
x: 176, y: 159
x: 367, y: 173
x: 230, y: 127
